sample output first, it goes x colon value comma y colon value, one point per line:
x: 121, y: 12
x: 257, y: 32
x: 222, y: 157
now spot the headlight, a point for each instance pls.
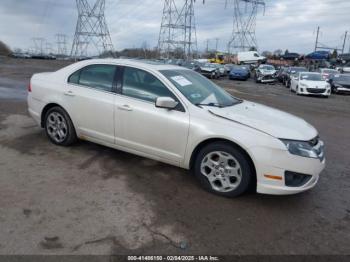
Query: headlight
x: 303, y: 85
x: 300, y: 148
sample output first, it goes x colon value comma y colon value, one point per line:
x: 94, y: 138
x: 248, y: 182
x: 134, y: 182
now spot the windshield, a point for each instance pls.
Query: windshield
x: 311, y: 77
x: 267, y: 67
x: 239, y: 68
x: 198, y: 89
x: 298, y: 69
x: 330, y: 71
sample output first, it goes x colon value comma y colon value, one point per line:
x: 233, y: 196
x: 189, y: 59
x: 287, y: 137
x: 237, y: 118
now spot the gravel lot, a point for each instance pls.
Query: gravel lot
x: 89, y: 199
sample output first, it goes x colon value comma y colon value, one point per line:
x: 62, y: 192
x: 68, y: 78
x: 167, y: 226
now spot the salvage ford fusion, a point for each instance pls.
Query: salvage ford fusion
x: 174, y: 115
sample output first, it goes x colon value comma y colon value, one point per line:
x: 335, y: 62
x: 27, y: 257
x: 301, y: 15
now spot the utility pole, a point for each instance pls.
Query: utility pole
x: 317, y: 34
x: 217, y: 44
x: 346, y: 35
x: 244, y: 24
x: 91, y: 28
x: 207, y: 46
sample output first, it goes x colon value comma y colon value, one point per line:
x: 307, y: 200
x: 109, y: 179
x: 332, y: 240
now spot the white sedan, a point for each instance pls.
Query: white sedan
x: 175, y: 115
x: 306, y: 83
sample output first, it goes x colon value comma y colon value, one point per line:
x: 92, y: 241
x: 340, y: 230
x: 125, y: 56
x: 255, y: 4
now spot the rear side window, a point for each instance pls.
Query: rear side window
x: 74, y: 79
x: 96, y: 76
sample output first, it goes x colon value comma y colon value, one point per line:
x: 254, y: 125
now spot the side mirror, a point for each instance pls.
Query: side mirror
x: 166, y: 102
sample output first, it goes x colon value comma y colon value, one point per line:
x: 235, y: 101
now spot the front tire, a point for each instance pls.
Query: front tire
x: 223, y: 169
x: 59, y: 127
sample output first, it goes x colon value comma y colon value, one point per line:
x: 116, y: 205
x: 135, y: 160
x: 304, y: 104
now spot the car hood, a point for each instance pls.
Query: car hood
x: 239, y: 72
x: 209, y: 69
x: 342, y: 83
x: 267, y: 72
x: 314, y: 84
x: 268, y: 120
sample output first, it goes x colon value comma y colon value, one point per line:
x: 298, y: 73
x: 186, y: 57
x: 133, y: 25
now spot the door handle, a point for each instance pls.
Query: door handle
x: 69, y: 93
x: 125, y: 108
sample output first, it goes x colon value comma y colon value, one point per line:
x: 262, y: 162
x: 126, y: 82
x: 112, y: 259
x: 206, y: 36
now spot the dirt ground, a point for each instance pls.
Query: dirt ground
x: 89, y: 199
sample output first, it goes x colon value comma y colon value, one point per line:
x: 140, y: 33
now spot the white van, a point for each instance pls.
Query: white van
x: 249, y: 57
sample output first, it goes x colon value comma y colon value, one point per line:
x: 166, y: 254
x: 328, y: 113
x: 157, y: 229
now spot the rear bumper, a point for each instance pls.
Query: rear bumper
x: 34, y: 107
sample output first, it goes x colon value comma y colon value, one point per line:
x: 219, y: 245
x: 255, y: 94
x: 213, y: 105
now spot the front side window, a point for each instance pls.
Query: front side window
x: 96, y: 76
x: 140, y: 84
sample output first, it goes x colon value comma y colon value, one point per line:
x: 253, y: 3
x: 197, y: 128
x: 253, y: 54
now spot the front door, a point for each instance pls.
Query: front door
x: 143, y: 127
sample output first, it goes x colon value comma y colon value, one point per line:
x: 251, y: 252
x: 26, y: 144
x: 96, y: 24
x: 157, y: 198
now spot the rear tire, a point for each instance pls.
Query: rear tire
x: 59, y: 127
x: 223, y: 169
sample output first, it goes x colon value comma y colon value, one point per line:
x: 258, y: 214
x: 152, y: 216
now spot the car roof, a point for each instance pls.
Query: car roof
x: 309, y: 73
x: 153, y: 65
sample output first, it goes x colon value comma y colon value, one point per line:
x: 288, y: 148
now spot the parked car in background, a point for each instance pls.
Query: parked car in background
x: 228, y: 67
x: 239, y: 72
x: 340, y: 83
x: 327, y: 73
x: 281, y: 73
x: 249, y: 57
x: 195, y: 66
x: 345, y: 68
x: 265, y: 74
x: 310, y: 83
x: 174, y: 115
x: 293, y: 73
x: 20, y: 55
x: 318, y: 55
x: 291, y: 56
x: 209, y: 70
x: 221, y: 69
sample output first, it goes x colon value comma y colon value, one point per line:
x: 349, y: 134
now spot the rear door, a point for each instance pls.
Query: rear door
x: 90, y: 96
x: 143, y: 127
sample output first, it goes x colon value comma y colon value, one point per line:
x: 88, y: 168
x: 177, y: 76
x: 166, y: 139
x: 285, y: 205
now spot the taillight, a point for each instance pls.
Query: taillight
x: 29, y: 87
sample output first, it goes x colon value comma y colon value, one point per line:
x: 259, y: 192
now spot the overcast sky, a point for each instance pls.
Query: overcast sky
x: 287, y: 24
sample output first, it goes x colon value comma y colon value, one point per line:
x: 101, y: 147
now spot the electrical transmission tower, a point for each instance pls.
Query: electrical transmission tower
x: 244, y: 23
x: 38, y: 45
x: 61, y: 41
x: 91, y: 29
x: 177, y: 36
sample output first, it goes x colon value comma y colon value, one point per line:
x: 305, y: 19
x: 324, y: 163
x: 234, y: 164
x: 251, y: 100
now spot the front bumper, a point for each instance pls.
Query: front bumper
x: 266, y: 78
x: 208, y: 74
x: 272, y: 163
x: 240, y: 77
x: 342, y: 90
x: 315, y: 91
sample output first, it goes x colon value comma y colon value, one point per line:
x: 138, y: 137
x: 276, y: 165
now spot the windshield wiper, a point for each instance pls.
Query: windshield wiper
x: 208, y: 104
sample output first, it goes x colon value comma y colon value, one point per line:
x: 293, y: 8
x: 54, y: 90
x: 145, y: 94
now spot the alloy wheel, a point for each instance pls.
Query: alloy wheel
x: 56, y: 127
x: 222, y: 170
